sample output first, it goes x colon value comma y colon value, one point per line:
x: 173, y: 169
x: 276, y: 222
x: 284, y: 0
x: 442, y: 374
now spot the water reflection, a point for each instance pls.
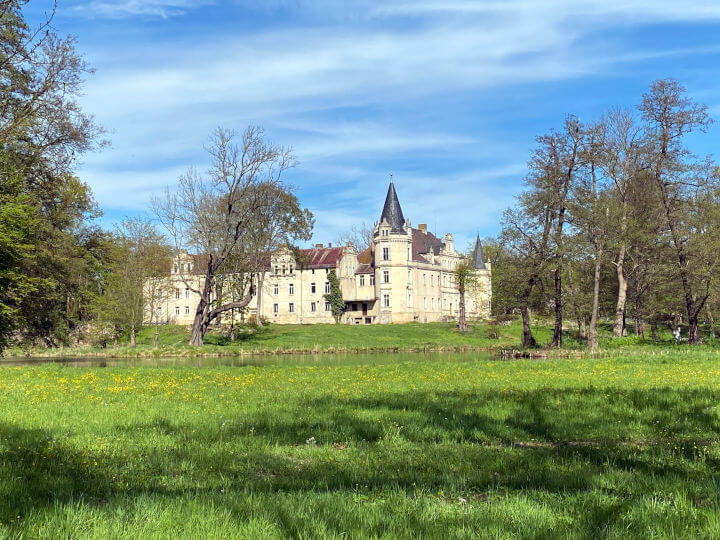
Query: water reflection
x: 249, y: 360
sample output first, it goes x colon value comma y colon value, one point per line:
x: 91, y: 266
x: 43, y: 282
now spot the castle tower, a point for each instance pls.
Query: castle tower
x: 392, y: 247
x: 478, y: 258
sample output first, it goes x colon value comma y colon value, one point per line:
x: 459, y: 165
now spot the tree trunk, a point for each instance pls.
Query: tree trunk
x: 258, y: 309
x: 132, y: 335
x: 639, y: 317
x: 592, y: 334
x: 693, y: 336
x: 462, y: 322
x: 202, y: 319
x: 527, y: 338
x: 582, y: 327
x: 557, y: 332
x: 622, y: 293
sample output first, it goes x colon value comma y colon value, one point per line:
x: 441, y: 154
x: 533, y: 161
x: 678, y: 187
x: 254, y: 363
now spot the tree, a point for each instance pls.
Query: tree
x: 360, y: 237
x: 335, y: 297
x: 42, y: 132
x: 139, y: 255
x: 282, y: 221
x: 214, y: 214
x: 19, y: 217
x: 682, y: 184
x: 621, y: 148
x: 465, y: 281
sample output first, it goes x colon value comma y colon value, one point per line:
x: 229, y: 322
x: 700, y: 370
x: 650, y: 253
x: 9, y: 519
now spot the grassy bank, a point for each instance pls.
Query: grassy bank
x: 331, y: 338
x: 451, y: 447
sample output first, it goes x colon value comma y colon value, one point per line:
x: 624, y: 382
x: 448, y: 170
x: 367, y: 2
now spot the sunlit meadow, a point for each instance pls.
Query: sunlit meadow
x: 437, y: 445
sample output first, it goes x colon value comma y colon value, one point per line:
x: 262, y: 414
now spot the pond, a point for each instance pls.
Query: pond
x: 252, y: 360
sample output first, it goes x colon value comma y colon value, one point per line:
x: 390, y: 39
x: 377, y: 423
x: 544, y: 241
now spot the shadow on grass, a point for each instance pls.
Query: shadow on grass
x: 565, y: 442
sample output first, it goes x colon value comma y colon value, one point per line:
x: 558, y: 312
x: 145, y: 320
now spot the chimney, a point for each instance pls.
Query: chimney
x: 318, y: 245
x: 329, y: 244
x: 423, y: 227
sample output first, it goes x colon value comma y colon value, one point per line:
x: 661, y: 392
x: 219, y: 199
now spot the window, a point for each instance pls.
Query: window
x: 424, y: 302
x: 313, y: 307
x: 312, y: 288
x: 312, y: 271
x: 159, y: 310
x: 187, y: 292
x: 432, y: 304
x: 372, y: 279
x: 409, y: 298
x: 187, y: 310
x: 177, y: 310
x: 354, y: 307
x: 386, y: 300
x: 362, y: 280
x: 276, y: 270
x: 291, y: 268
x: 291, y: 307
x: 327, y: 306
x: 327, y: 271
x: 409, y: 253
x: 276, y: 289
x: 409, y: 276
x: 177, y: 294
x: 291, y: 288
x: 276, y: 308
x: 386, y: 254
x: 175, y: 269
x: 386, y: 276
x: 327, y: 287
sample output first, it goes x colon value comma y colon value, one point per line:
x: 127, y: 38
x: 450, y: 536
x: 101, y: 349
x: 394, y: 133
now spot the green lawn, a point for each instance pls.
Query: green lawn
x: 441, y: 446
x: 317, y: 338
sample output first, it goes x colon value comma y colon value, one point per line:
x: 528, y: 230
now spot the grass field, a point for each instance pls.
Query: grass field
x: 441, y: 446
x: 332, y: 338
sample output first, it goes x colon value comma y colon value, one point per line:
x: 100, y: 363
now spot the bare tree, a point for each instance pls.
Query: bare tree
x: 213, y: 214
x: 358, y: 236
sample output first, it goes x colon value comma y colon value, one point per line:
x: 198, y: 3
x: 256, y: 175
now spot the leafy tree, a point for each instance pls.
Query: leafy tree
x: 139, y: 253
x: 687, y: 190
x: 42, y: 132
x: 335, y: 297
x: 466, y: 281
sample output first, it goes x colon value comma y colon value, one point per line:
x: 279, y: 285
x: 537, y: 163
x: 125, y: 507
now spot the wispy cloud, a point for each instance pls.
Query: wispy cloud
x: 117, y: 9
x: 361, y: 88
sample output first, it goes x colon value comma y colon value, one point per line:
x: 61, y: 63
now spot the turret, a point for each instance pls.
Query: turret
x: 478, y: 258
x: 392, y: 245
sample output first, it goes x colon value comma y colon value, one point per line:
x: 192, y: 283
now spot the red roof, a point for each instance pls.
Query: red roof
x: 325, y: 257
x: 425, y: 242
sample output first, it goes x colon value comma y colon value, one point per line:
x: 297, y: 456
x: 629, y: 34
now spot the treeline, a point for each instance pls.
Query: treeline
x: 618, y: 219
x: 64, y: 280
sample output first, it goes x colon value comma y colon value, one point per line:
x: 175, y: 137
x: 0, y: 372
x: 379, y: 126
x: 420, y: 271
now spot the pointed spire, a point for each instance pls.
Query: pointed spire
x: 392, y: 211
x: 478, y: 259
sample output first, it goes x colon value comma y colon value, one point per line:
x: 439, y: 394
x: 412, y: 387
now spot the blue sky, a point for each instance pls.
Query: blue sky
x: 447, y: 95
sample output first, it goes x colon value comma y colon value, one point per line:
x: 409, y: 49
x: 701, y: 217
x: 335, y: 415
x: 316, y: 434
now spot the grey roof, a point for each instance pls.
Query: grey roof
x: 392, y: 211
x: 478, y: 259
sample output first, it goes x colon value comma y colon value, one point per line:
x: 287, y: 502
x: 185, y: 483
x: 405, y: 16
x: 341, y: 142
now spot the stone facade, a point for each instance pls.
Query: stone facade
x: 406, y: 275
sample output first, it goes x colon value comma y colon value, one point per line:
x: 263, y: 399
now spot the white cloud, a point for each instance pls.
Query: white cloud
x: 116, y: 9
x: 374, y: 59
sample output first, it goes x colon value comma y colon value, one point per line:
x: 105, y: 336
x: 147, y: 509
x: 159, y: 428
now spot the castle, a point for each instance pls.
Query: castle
x: 405, y: 275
